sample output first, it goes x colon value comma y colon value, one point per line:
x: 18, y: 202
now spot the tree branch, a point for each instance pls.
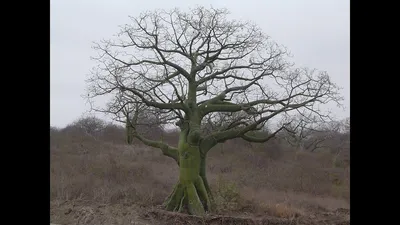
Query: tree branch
x: 154, y: 104
x: 166, y: 149
x: 239, y: 132
x: 201, y: 66
x: 261, y: 140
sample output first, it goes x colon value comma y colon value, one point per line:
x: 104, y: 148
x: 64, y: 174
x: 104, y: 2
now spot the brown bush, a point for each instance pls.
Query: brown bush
x: 244, y: 178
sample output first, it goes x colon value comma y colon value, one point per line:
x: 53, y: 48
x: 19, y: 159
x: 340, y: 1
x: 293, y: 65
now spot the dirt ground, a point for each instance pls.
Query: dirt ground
x: 88, y: 213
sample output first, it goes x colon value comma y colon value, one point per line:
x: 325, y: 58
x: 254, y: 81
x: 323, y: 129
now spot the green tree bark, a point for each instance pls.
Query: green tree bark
x: 192, y: 192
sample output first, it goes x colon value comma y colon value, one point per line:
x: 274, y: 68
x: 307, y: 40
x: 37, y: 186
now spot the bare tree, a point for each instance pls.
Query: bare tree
x: 339, y: 136
x: 346, y: 124
x: 306, y: 137
x: 328, y: 135
x: 197, y: 66
x: 136, y: 116
x: 90, y: 125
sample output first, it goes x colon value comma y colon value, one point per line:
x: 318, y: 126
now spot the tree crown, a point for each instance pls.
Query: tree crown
x: 202, y: 67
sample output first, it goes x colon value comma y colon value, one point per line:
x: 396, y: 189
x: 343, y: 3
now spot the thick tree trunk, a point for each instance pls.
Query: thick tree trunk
x: 192, y: 193
x: 129, y: 131
x: 129, y: 135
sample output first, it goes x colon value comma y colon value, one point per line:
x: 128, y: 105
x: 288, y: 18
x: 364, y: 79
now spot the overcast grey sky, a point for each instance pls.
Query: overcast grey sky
x: 317, y: 32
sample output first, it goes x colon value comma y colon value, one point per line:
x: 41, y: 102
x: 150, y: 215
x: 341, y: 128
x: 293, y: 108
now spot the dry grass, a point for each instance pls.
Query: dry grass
x: 257, y: 180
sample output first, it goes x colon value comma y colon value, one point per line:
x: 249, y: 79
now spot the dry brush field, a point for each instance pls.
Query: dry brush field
x: 98, y: 179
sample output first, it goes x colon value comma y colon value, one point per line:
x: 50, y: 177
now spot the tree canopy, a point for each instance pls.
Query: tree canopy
x: 199, y: 69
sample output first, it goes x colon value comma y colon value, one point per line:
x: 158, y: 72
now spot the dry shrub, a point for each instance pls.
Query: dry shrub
x: 281, y: 210
x: 258, y: 179
x: 114, y: 134
x: 227, y: 196
x: 93, y: 170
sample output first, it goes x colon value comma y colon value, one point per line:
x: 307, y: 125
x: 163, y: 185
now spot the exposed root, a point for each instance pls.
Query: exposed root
x: 181, y: 204
x: 207, y: 187
x: 192, y: 197
x: 174, y: 200
x: 195, y: 206
x: 203, y: 194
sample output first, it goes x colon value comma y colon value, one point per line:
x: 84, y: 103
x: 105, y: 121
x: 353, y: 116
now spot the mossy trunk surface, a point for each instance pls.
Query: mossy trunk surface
x: 192, y: 193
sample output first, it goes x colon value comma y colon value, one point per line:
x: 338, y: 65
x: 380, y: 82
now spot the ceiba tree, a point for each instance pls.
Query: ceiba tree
x: 197, y: 68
